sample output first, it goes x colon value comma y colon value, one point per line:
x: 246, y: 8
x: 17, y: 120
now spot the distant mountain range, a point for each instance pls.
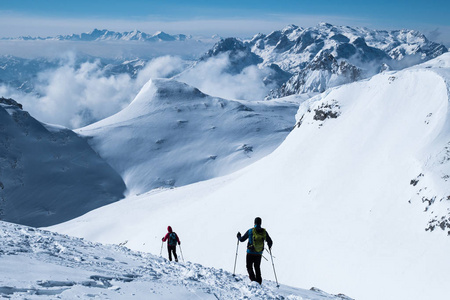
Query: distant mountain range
x: 107, y: 35
x: 325, y: 56
x: 298, y: 60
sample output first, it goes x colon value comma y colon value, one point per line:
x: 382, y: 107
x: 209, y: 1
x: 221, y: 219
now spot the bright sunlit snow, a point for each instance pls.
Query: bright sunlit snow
x: 337, y: 196
x: 39, y: 264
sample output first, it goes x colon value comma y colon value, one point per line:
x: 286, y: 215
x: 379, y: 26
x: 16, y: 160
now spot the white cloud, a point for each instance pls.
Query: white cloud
x: 212, y: 78
x: 161, y: 67
x: 105, y: 49
x: 76, y: 96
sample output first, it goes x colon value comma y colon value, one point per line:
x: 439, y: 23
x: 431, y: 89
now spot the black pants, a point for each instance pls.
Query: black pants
x: 254, y: 261
x: 174, y: 250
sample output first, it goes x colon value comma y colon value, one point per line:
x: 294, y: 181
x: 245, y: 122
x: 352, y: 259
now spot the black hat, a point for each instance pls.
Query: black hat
x: 258, y: 221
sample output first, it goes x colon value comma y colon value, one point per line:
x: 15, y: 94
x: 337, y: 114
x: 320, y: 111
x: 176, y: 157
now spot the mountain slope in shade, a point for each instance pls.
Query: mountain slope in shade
x: 172, y: 134
x: 48, y: 174
x: 338, y: 196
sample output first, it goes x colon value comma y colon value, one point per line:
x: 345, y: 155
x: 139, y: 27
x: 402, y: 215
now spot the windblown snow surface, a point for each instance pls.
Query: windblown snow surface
x: 346, y: 197
x: 39, y: 264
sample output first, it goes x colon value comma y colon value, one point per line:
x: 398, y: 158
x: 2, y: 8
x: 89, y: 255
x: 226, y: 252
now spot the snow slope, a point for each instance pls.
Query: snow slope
x: 172, y: 134
x: 48, y: 174
x: 38, y: 264
x: 342, y: 197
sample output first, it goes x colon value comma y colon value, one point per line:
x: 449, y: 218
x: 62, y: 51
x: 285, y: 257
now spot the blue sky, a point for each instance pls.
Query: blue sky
x: 228, y: 18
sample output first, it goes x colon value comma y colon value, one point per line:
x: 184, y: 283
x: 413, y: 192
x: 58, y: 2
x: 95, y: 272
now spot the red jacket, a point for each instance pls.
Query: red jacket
x: 169, y: 229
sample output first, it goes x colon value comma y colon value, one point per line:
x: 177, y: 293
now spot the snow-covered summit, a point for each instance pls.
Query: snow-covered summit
x: 240, y: 54
x: 172, y: 134
x: 10, y: 103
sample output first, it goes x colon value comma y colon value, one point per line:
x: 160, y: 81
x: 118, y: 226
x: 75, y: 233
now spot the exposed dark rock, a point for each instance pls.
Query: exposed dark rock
x: 239, y: 54
x: 443, y: 223
x: 414, y: 182
x: 11, y: 102
x: 327, y: 111
x: 319, y: 71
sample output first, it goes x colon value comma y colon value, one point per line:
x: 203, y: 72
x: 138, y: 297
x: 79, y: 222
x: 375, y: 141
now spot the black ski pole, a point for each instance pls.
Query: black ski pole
x: 235, y: 259
x: 181, y: 251
x: 271, y: 257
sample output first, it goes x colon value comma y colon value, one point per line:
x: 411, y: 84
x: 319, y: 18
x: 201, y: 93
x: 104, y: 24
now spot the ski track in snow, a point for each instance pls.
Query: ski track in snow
x: 38, y: 264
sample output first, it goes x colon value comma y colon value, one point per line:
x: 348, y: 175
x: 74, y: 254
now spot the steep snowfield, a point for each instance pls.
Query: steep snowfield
x: 338, y: 196
x: 172, y: 134
x: 38, y: 264
x: 48, y: 174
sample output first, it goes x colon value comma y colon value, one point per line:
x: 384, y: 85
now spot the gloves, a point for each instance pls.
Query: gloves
x: 162, y: 239
x: 238, y: 235
x: 179, y: 243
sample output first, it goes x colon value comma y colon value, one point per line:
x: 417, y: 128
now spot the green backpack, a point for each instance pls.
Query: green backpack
x: 258, y: 240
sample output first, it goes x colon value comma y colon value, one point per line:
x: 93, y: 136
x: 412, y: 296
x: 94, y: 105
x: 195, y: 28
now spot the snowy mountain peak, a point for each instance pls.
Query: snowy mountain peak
x: 166, y: 125
x: 5, y: 102
x: 325, y: 25
x: 239, y: 54
x: 171, y: 89
x: 97, y: 32
x: 289, y: 29
x: 165, y: 90
x: 227, y: 44
x: 164, y: 36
